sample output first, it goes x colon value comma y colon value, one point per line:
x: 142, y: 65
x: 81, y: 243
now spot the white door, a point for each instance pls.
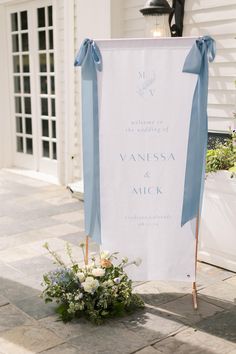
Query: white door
x: 32, y: 79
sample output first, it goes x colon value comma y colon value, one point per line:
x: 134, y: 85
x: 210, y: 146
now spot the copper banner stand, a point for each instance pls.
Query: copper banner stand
x: 194, y: 285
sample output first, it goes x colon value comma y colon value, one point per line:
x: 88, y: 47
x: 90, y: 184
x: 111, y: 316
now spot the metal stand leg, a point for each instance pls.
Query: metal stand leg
x: 194, y: 294
x: 194, y: 287
x: 86, y: 249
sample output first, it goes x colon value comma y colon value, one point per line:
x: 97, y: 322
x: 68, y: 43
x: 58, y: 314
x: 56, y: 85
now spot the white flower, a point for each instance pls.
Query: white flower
x: 81, y: 276
x: 79, y: 297
x: 98, y: 272
x: 69, y: 296
x: 110, y: 283
x: 104, y: 254
x: 137, y: 261
x: 117, y: 280
x: 90, y: 285
x: 89, y: 279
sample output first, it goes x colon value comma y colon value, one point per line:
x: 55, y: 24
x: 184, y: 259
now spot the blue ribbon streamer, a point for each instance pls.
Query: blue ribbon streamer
x: 89, y: 58
x: 197, y: 63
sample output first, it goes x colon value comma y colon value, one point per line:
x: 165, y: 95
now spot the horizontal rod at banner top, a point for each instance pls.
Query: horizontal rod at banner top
x: 146, y: 39
x: 176, y: 42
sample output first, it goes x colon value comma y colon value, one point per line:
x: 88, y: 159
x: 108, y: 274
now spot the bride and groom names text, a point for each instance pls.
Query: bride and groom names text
x: 147, y: 157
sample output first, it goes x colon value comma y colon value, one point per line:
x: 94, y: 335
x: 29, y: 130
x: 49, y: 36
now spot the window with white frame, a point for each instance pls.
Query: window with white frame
x: 47, y: 82
x: 21, y: 82
x: 33, y: 85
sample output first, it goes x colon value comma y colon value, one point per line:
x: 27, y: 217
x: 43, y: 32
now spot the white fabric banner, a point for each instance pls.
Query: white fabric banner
x: 145, y: 103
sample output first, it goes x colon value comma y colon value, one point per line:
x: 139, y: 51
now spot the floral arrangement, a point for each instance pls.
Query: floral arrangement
x: 98, y: 290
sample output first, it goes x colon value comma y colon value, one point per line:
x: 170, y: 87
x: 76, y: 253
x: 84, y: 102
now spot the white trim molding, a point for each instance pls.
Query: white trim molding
x: 69, y: 93
x: 6, y: 144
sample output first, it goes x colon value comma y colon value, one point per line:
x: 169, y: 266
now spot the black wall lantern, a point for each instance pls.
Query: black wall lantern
x: 162, y: 20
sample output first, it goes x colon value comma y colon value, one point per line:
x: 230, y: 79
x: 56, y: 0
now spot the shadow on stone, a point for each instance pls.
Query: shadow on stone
x: 166, y: 315
x: 211, y: 316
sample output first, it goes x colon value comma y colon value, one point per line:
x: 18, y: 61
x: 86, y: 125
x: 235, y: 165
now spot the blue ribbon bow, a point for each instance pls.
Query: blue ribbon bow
x: 196, y: 62
x: 89, y: 50
x: 89, y: 58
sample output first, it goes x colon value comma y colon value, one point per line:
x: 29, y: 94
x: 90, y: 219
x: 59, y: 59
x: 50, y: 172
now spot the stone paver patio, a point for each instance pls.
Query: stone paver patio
x: 33, y: 212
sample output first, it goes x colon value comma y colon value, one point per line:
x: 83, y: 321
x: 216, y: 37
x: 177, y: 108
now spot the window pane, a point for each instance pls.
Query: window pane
x: 28, y: 125
x: 19, y: 144
x: 51, y: 62
x: 44, y: 106
x: 17, y: 84
x: 51, y: 39
x: 29, y: 146
x: 18, y: 107
x: 54, y: 151
x: 24, y: 22
x: 25, y: 42
x: 27, y: 105
x: 45, y: 127
x: 45, y: 149
x: 19, y: 127
x: 26, y: 81
x: 54, y: 129
x: 53, y: 108
x: 42, y: 40
x: 16, y: 64
x: 25, y: 59
x: 42, y: 62
x: 15, y: 43
x: 49, y: 15
x: 14, y: 22
x: 41, y: 17
x: 43, y: 84
x: 52, y: 85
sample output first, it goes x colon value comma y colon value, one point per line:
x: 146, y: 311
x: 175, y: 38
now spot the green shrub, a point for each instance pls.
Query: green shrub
x: 223, y: 157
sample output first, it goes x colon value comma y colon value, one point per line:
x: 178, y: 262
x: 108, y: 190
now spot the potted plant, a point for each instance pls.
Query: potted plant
x: 217, y: 241
x: 223, y: 156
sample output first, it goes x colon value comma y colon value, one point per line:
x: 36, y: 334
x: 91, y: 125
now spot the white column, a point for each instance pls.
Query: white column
x: 64, y: 34
x: 93, y: 20
x: 69, y: 93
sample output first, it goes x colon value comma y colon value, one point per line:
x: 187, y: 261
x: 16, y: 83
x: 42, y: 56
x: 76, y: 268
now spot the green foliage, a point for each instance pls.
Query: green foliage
x: 96, y: 291
x: 233, y: 169
x: 223, y: 157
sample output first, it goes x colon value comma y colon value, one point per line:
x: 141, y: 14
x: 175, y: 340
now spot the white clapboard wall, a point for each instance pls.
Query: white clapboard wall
x: 203, y: 17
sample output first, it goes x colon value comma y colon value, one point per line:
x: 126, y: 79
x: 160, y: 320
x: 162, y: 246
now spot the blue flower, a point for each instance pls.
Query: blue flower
x: 117, y: 280
x: 59, y: 276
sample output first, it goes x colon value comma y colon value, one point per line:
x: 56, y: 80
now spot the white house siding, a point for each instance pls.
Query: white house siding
x: 218, y: 19
x: 133, y: 20
x: 212, y: 17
